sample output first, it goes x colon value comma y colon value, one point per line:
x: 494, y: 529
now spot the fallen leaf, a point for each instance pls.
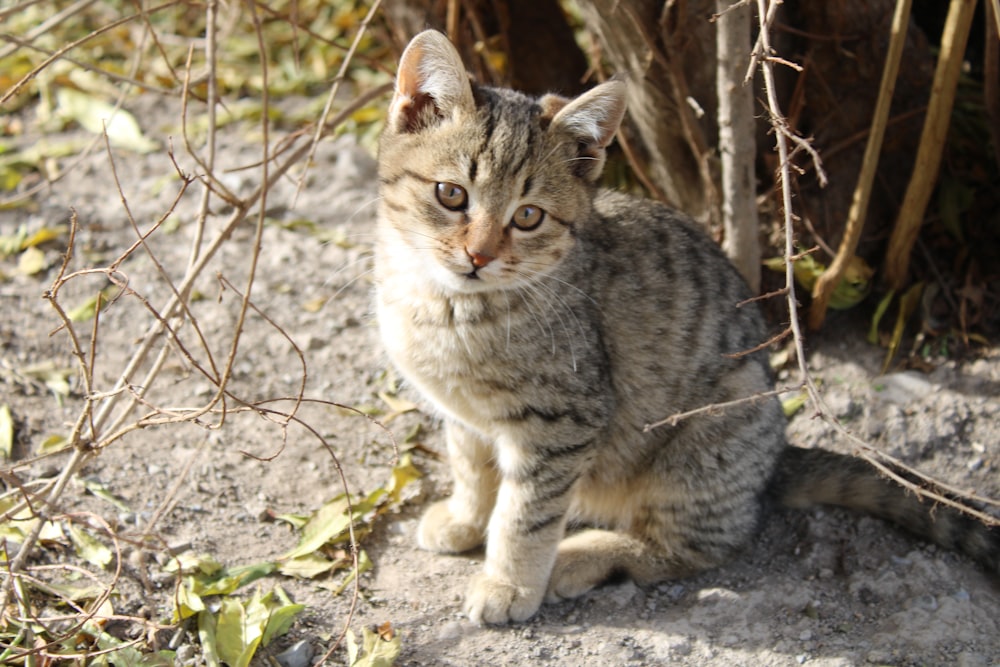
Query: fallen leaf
x: 44, y: 235
x: 396, y: 404
x: 89, y: 548
x: 32, y: 261
x: 792, y: 405
x: 374, y: 651
x: 97, y: 116
x: 308, y: 566
x: 907, y: 304
x: 52, y: 443
x: 6, y: 432
x: 238, y: 631
x: 101, y: 491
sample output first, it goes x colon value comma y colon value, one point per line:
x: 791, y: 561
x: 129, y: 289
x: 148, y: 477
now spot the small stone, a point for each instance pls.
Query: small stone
x: 186, y: 654
x: 299, y: 654
x: 450, y: 631
x: 624, y: 593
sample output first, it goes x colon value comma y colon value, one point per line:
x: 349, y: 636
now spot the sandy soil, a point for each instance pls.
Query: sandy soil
x: 821, y: 587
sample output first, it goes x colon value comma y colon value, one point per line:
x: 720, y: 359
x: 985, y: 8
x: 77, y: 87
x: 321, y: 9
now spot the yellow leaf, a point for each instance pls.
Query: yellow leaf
x: 308, y: 566
x: 89, y: 548
x: 907, y: 304
x: 396, y: 404
x: 32, y: 261
x: 51, y: 444
x: 375, y: 649
x: 44, y: 235
x: 97, y: 116
x: 6, y: 431
x: 404, y: 473
x: 792, y: 405
x: 314, y: 305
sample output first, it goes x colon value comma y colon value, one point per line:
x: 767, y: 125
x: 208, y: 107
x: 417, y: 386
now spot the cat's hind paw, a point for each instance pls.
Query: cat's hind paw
x: 441, y: 531
x: 493, y: 601
x: 586, y: 560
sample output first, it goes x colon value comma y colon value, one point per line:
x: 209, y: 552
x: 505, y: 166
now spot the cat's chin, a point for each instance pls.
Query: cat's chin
x: 451, y: 283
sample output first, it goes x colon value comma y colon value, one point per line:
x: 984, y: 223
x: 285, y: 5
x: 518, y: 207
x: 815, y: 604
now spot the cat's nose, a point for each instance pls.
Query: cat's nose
x: 479, y: 260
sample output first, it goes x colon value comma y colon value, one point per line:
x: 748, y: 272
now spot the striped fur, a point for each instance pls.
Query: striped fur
x: 546, y: 350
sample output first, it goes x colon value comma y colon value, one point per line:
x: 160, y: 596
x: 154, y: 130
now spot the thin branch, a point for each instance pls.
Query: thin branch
x: 718, y: 408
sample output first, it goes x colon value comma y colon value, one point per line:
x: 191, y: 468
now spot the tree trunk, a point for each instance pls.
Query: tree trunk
x: 737, y: 145
x: 668, y: 53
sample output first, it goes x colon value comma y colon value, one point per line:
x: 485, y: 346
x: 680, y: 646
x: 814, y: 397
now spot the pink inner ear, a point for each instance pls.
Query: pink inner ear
x: 411, y: 113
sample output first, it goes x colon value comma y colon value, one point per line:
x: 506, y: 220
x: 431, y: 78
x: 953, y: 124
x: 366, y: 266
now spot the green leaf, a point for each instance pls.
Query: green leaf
x: 89, y: 548
x: 375, y: 651
x: 364, y: 565
x: 237, y: 633
x: 86, y: 310
x: 883, y: 305
x: 329, y: 522
x: 188, y: 604
x: 792, y: 405
x: 308, y: 566
x: 282, y: 613
x: 6, y: 432
x: 208, y: 639
x: 11, y: 244
x: 228, y: 580
x: 190, y: 562
x: 101, y: 491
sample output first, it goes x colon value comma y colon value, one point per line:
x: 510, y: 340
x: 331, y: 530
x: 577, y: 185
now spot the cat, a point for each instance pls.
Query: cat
x: 547, y: 320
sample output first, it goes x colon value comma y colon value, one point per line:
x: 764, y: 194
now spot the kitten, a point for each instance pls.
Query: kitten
x: 548, y: 320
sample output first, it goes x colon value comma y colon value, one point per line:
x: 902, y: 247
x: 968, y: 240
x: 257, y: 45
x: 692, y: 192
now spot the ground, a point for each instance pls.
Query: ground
x: 820, y: 587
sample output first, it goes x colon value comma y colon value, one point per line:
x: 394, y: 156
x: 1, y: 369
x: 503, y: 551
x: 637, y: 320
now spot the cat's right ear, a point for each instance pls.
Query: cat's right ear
x: 431, y: 85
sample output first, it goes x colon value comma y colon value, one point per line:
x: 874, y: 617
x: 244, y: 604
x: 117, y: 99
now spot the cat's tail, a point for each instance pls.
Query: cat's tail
x: 807, y: 477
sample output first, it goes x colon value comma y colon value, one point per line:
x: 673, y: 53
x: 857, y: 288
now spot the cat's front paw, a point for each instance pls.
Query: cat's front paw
x: 494, y: 601
x: 441, y: 531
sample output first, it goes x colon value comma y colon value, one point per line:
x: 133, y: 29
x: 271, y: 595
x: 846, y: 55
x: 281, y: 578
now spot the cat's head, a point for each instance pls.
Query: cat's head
x: 482, y: 187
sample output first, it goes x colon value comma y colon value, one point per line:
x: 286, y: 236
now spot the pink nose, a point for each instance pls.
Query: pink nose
x: 479, y: 260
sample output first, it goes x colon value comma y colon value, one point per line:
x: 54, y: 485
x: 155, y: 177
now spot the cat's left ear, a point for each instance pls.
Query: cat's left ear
x: 431, y: 84
x: 592, y: 119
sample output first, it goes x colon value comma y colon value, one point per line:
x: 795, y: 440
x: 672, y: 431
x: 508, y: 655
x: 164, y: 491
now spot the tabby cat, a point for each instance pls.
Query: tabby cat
x: 548, y: 320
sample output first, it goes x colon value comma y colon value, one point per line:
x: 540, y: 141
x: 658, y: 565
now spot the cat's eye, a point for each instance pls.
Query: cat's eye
x: 527, y: 217
x: 453, y: 197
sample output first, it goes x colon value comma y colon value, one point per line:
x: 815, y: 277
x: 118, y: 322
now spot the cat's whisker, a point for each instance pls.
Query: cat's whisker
x: 366, y: 257
x: 351, y: 282
x: 544, y: 292
x: 549, y: 276
x: 363, y: 206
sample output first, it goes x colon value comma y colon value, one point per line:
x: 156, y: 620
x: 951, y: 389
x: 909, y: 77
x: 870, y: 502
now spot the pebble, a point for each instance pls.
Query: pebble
x: 624, y: 593
x: 450, y: 631
x: 186, y: 654
x: 299, y: 654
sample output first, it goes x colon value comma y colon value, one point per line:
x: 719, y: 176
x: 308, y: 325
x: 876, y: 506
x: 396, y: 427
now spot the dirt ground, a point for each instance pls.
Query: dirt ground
x: 819, y: 588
